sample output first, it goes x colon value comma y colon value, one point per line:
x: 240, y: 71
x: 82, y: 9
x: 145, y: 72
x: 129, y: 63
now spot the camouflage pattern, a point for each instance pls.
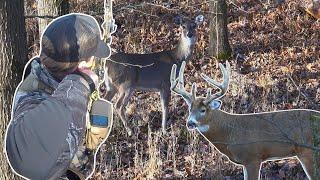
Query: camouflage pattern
x: 73, y: 93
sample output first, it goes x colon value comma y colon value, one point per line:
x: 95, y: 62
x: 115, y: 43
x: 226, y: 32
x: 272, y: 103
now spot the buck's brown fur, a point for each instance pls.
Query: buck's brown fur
x: 254, y: 138
x: 250, y: 139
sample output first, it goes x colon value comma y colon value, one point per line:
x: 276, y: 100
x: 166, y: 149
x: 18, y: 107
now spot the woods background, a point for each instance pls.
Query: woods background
x: 275, y: 65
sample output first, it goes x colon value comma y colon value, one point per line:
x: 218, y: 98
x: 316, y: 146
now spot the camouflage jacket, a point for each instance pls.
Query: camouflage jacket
x: 47, y: 124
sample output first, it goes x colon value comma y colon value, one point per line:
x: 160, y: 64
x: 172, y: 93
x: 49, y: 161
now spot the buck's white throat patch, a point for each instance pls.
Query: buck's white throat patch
x: 203, y: 128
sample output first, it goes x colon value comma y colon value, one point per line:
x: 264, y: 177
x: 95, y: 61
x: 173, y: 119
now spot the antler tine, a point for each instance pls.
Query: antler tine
x: 208, y: 93
x: 193, y: 91
x: 177, y: 84
x: 222, y: 86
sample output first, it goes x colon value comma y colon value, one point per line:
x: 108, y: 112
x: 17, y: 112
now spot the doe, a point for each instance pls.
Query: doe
x: 154, y: 75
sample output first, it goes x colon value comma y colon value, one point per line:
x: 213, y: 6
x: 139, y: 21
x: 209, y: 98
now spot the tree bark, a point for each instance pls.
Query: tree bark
x: 219, y: 42
x: 107, y: 25
x: 51, y: 8
x: 13, y: 55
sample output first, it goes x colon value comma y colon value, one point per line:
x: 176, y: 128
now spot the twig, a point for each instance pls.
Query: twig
x: 128, y: 64
x: 128, y: 7
x: 38, y: 16
x: 299, y: 89
x: 162, y: 6
x: 53, y: 17
x: 234, y: 4
x: 139, y: 11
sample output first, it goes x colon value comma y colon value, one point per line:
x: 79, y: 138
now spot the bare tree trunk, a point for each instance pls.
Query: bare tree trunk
x: 107, y: 24
x: 51, y: 8
x: 219, y: 42
x: 12, y: 57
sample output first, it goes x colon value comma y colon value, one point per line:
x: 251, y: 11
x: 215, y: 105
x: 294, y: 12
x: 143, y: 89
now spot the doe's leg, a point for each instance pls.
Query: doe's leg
x: 119, y: 101
x: 165, y: 99
x: 125, y: 100
x: 118, y: 106
x: 251, y: 170
x: 112, y: 91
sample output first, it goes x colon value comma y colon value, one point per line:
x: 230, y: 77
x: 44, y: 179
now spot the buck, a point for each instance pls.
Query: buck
x: 154, y: 73
x: 249, y: 139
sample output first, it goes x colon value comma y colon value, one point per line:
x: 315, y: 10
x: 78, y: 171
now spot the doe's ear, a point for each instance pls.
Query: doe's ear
x: 199, y: 19
x: 177, y: 20
x: 215, y: 104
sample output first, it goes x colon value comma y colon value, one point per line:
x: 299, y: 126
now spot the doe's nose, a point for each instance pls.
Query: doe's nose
x: 190, y: 35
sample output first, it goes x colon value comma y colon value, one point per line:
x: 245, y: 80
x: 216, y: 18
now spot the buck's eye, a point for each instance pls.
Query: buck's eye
x: 183, y: 26
x: 203, y: 110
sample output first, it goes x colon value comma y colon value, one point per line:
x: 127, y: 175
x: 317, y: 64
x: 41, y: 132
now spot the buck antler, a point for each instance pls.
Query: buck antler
x: 222, y: 86
x: 177, y: 84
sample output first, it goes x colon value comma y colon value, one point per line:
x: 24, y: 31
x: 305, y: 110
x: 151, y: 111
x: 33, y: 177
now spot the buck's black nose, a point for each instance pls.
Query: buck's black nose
x: 191, y: 125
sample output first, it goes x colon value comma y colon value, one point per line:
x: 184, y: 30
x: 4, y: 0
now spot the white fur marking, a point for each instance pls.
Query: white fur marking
x: 192, y: 118
x: 245, y: 173
x: 203, y: 128
x: 184, y: 47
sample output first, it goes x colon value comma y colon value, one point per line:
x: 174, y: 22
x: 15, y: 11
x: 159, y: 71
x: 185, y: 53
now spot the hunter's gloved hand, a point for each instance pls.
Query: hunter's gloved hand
x: 100, y: 124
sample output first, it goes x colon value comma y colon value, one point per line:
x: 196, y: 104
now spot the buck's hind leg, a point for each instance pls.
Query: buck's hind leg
x: 124, y: 103
x: 165, y: 99
x: 306, y: 160
x: 251, y: 171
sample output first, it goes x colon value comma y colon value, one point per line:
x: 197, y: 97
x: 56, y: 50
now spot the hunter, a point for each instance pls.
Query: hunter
x: 48, y: 134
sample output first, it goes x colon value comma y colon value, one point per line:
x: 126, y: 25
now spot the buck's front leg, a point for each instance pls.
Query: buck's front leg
x: 251, y: 170
x: 165, y: 99
x: 306, y: 160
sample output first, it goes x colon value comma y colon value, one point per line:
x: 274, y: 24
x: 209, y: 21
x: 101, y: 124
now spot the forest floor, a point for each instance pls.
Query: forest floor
x: 275, y: 66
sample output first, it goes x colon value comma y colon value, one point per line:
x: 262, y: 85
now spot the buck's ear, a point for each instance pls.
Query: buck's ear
x: 215, y: 104
x: 177, y: 20
x: 199, y: 19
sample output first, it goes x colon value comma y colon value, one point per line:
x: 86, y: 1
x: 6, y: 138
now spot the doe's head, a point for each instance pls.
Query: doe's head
x: 188, y: 27
x: 200, y: 108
